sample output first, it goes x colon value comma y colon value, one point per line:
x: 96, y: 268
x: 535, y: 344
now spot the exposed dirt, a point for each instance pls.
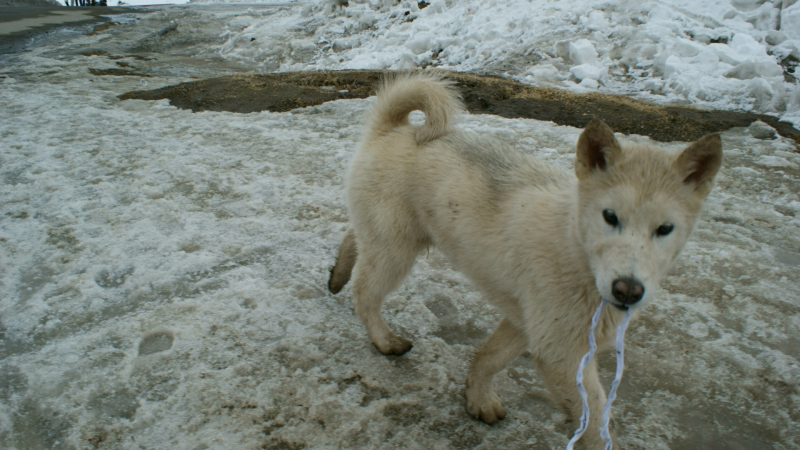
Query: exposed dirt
x: 117, y: 72
x: 273, y: 92
x: 482, y: 95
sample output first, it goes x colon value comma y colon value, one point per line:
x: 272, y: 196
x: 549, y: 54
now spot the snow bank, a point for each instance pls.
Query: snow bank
x: 720, y: 54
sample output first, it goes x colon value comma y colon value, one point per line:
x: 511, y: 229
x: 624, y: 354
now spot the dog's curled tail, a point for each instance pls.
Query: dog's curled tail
x: 424, y: 92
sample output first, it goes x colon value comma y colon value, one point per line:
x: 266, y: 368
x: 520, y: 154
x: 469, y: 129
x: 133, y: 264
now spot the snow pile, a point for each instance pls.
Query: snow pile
x: 587, y: 69
x: 720, y: 54
x: 790, y: 19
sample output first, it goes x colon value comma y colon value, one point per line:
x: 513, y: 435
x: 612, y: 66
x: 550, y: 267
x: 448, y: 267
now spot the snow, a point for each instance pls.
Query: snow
x: 588, y: 71
x: 790, y: 21
x: 163, y: 272
x: 582, y: 52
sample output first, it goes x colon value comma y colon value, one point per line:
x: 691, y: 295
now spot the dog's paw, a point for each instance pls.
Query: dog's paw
x: 394, y: 345
x: 335, y: 284
x: 486, y: 407
x: 339, y: 277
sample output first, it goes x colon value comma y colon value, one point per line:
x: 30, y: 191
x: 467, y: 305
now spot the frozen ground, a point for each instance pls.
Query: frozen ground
x: 162, y: 282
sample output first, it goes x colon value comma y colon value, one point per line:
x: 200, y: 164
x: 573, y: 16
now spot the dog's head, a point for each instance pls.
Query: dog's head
x: 637, y: 206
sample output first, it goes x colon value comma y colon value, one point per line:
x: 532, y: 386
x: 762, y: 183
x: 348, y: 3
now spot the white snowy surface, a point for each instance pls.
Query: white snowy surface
x: 163, y: 273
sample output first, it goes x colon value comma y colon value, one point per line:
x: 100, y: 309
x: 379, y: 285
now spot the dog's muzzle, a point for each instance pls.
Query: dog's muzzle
x: 627, y: 292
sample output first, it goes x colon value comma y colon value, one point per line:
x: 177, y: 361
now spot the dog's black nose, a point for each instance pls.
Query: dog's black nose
x: 627, y: 290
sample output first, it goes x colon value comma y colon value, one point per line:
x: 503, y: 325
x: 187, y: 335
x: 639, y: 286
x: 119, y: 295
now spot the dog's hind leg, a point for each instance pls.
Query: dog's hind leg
x: 506, y: 343
x: 340, y: 274
x: 378, y: 272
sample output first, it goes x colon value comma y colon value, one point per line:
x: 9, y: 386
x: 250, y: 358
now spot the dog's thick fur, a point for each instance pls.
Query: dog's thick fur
x: 542, y: 244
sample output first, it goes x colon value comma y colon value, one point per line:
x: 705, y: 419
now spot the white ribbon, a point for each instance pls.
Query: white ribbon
x: 620, y: 344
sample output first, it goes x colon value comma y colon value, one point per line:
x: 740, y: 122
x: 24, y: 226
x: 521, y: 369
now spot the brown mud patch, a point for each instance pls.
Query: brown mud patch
x: 482, y: 94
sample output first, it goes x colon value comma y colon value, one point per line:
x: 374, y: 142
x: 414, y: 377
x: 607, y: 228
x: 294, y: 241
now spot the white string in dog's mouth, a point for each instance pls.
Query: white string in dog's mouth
x: 612, y: 394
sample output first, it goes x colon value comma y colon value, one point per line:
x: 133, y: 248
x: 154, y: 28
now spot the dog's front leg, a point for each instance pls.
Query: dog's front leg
x: 506, y: 343
x: 560, y: 381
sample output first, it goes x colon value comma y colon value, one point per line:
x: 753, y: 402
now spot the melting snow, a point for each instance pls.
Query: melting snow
x: 163, y: 273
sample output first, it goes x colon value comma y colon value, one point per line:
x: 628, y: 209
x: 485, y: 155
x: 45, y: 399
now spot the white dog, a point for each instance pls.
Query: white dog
x: 543, y: 245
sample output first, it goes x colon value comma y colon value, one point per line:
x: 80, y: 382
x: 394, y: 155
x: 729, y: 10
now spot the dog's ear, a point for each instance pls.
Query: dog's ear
x: 699, y: 163
x: 597, y: 149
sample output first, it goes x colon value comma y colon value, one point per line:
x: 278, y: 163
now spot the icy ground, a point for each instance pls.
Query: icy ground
x: 162, y: 285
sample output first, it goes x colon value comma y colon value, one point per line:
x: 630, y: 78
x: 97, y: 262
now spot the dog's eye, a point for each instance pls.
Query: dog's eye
x: 610, y: 217
x: 664, y: 229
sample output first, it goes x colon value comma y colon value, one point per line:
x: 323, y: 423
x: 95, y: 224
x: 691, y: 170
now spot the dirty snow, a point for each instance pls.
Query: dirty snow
x: 162, y: 273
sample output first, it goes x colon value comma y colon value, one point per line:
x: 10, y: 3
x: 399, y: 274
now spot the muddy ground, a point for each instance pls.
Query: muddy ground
x: 482, y: 94
x: 52, y: 18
